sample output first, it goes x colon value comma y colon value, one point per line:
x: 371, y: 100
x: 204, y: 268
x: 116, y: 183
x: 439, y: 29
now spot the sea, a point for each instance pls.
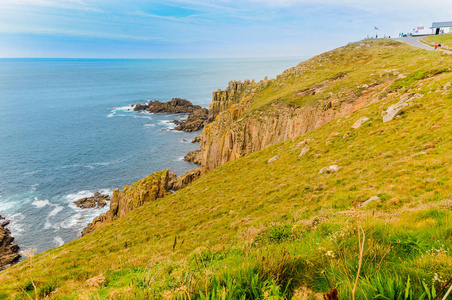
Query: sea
x: 67, y: 130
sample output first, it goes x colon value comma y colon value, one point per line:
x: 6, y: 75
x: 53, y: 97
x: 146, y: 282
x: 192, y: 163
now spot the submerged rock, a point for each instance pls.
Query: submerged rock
x: 8, y: 251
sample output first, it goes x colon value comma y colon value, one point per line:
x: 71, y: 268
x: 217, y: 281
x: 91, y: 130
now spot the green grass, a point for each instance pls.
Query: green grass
x: 254, y: 230
x: 443, y: 39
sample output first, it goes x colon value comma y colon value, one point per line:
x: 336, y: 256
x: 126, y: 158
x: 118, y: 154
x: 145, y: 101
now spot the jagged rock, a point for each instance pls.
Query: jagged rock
x: 122, y: 202
x: 273, y: 159
x: 97, y: 201
x: 8, y: 251
x: 373, y: 198
x: 304, y: 151
x: 184, y: 180
x: 196, y: 139
x: 155, y: 186
x: 330, y: 169
x: 194, y: 122
x: 194, y: 156
x: 447, y: 86
x: 393, y: 111
x: 175, y: 106
x: 360, y: 122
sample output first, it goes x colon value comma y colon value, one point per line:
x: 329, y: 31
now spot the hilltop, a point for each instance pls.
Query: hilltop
x: 305, y: 189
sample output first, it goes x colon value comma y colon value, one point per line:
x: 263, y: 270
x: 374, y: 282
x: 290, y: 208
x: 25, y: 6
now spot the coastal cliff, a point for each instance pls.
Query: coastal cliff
x: 251, y: 116
x: 371, y: 185
x: 155, y: 186
x: 148, y: 189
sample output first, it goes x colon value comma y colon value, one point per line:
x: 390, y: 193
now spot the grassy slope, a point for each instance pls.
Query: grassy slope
x: 443, y: 39
x: 261, y: 224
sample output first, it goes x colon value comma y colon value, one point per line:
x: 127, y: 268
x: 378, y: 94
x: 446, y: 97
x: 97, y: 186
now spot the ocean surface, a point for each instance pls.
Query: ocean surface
x: 67, y: 131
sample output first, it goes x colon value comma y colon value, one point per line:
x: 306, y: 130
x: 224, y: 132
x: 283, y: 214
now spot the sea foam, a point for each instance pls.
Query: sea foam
x: 40, y: 203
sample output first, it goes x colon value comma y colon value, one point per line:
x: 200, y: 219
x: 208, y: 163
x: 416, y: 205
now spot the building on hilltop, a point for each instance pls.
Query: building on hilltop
x: 422, y: 30
x: 441, y: 27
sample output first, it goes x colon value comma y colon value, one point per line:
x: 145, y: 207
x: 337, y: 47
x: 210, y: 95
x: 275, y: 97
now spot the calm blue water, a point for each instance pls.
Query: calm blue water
x: 66, y: 131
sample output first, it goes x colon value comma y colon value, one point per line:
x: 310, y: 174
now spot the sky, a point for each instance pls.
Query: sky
x: 202, y: 28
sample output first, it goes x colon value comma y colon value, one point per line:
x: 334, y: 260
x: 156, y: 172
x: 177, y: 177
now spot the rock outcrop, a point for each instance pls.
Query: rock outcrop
x: 197, y: 116
x: 393, y: 111
x: 153, y: 187
x: 233, y: 94
x: 175, y: 106
x: 194, y: 156
x: 194, y: 122
x: 177, y: 183
x: 233, y: 135
x: 8, y: 251
x: 122, y: 202
x: 97, y: 201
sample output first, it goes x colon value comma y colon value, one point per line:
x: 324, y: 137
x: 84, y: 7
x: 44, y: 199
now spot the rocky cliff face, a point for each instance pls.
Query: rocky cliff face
x: 8, y: 251
x: 235, y: 133
x: 122, y: 202
x: 233, y: 94
x: 155, y: 186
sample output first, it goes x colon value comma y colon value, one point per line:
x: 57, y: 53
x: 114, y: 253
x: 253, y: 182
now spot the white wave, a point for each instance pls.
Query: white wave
x: 47, y: 224
x: 168, y: 124
x: 143, y: 117
x: 16, y: 226
x: 71, y: 221
x: 119, y: 109
x: 55, y: 211
x: 40, y: 203
x: 149, y: 125
x: 58, y: 241
x: 70, y: 166
x: 106, y: 192
x: 79, y: 195
x: 7, y: 205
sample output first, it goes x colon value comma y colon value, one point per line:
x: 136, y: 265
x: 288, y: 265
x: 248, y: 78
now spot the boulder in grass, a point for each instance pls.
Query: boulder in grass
x: 393, y: 111
x: 273, y: 159
x: 360, y: 122
x: 330, y: 169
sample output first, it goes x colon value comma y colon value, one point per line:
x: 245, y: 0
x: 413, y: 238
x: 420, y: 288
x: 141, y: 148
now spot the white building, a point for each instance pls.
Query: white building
x: 442, y: 27
x: 422, y: 30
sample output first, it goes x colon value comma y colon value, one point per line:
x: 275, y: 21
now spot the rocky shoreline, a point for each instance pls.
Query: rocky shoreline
x: 197, y: 118
x: 9, y: 252
x: 160, y: 183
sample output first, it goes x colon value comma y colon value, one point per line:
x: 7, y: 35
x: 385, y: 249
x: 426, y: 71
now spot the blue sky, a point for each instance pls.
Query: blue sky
x: 202, y: 28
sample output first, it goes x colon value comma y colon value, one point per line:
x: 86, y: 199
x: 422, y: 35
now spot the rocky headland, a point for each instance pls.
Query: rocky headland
x: 197, y: 116
x: 9, y: 252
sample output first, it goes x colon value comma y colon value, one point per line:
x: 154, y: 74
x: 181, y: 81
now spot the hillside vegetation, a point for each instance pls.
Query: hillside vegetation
x: 289, y: 228
x: 444, y: 39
